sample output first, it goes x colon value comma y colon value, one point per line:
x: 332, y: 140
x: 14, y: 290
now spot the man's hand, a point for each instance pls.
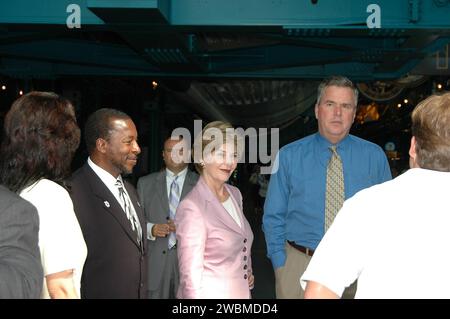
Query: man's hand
x: 160, y: 230
x: 251, y: 281
x: 171, y: 224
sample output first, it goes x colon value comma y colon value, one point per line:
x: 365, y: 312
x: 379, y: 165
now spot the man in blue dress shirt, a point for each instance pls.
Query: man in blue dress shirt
x: 294, y: 211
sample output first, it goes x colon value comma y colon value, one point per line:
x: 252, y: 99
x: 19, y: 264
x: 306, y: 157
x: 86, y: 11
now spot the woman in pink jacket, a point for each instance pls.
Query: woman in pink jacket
x: 214, y: 238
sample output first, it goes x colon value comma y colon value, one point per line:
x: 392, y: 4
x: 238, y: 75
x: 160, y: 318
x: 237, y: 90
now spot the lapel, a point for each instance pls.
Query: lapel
x: 109, y: 203
x: 237, y: 203
x: 162, y: 192
x: 213, y: 206
x: 189, y: 183
x: 139, y: 211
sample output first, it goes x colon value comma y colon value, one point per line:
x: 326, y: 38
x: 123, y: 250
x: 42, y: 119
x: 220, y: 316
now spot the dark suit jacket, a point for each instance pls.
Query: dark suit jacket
x: 116, y: 265
x: 21, y: 273
x: 152, y: 190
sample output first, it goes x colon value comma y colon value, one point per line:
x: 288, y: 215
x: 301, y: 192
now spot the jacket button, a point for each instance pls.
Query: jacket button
x: 245, y: 240
x: 164, y: 251
x: 245, y: 267
x: 245, y: 249
x: 245, y: 257
x: 245, y: 276
x: 142, y: 285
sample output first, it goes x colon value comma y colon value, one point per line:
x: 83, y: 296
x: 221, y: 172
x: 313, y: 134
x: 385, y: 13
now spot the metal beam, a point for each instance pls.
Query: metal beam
x: 68, y: 52
x: 286, y: 38
x: 44, y: 12
x: 131, y: 11
x: 343, y: 14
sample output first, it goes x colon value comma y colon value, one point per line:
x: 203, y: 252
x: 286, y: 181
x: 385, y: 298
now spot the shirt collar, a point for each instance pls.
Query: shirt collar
x: 324, y: 144
x: 170, y: 175
x: 105, y: 176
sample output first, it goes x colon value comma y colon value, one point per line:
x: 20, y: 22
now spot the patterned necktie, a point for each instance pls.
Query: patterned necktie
x: 174, y: 199
x: 335, y: 194
x: 131, y: 214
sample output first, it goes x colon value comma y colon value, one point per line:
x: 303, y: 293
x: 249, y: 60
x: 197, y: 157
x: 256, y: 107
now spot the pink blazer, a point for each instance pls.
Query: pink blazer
x: 214, y: 253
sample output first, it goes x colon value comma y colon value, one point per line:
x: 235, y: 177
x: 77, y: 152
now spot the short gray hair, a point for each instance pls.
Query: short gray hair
x: 336, y: 80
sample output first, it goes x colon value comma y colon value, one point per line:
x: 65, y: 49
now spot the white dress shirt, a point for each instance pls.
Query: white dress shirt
x: 229, y: 207
x: 110, y: 183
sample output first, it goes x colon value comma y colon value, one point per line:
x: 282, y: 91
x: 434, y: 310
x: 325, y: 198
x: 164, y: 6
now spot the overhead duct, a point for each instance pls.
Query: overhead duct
x: 249, y: 103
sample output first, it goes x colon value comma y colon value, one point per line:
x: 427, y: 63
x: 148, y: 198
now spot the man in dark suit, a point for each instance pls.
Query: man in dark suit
x: 108, y: 209
x: 154, y: 192
x: 21, y: 273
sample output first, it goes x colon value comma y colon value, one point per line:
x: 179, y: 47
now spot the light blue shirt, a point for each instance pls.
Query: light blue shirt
x: 295, y: 203
x: 170, y: 176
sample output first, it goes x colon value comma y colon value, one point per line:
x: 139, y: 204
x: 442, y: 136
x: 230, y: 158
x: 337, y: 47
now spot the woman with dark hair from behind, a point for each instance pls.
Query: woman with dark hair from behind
x: 40, y: 138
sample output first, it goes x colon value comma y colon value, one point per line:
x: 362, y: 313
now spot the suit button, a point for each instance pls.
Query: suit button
x: 164, y: 251
x: 245, y: 240
x: 142, y: 285
x: 245, y: 249
x: 245, y: 267
x: 245, y: 257
x: 245, y: 276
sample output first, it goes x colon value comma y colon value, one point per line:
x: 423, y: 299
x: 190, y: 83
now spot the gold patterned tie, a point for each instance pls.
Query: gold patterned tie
x: 335, y: 194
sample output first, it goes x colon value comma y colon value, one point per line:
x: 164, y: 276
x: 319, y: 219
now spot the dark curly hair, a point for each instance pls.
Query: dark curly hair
x: 40, y: 138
